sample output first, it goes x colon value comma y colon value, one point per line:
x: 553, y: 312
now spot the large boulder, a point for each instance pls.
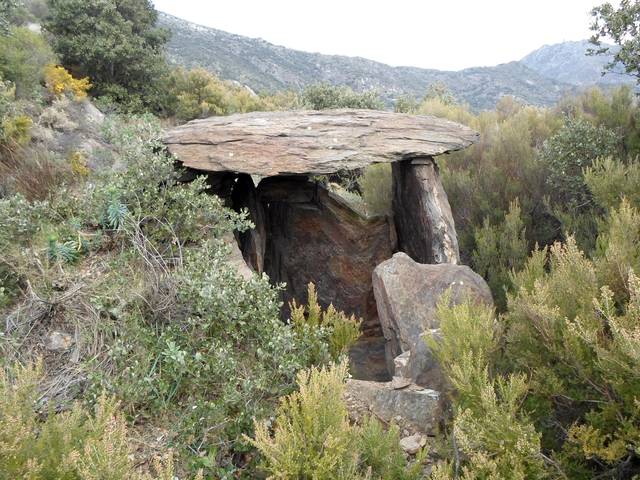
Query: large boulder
x: 407, y: 294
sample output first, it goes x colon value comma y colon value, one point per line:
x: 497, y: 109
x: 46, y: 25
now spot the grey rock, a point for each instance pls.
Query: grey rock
x: 414, y: 408
x: 400, y: 382
x: 413, y: 443
x: 59, y: 341
x: 312, y: 142
x: 236, y: 259
x: 424, y: 222
x: 401, y: 363
x: 407, y: 294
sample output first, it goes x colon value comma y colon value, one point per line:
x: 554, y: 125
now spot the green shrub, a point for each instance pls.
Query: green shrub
x: 618, y: 253
x: 23, y: 56
x: 567, y: 154
x: 490, y: 432
x: 326, y: 336
x: 16, y: 130
x: 117, y: 44
x: 313, y: 438
x: 75, y: 444
x: 323, y: 96
x: 500, y: 249
x: 611, y: 180
x: 377, y: 189
x: 547, y: 389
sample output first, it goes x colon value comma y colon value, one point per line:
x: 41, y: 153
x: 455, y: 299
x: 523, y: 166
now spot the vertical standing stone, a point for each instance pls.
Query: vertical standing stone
x: 252, y: 242
x: 426, y: 231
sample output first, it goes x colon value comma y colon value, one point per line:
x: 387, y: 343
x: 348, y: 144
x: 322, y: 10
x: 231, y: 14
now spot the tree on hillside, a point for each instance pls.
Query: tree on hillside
x: 114, y: 42
x: 621, y: 26
x: 23, y: 56
x: 7, y: 9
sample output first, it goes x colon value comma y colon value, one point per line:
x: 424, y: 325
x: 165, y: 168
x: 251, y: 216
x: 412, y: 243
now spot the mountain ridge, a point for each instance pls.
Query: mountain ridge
x: 263, y: 66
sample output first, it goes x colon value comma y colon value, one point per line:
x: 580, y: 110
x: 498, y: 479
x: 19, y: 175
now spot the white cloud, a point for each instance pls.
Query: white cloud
x: 442, y: 34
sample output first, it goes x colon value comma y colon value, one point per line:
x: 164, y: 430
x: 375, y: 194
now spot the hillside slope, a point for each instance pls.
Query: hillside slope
x: 267, y: 67
x: 568, y: 62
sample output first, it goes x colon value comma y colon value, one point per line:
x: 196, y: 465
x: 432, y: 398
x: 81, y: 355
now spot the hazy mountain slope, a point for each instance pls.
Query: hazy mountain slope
x: 264, y: 66
x: 568, y: 62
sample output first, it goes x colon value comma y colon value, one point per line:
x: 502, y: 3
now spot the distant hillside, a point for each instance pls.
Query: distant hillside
x: 568, y: 62
x: 267, y: 67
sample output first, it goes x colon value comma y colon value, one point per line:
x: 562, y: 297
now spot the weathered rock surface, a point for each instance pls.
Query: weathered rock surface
x: 407, y: 294
x: 315, y: 236
x: 414, y: 409
x: 311, y: 142
x: 59, y: 341
x: 424, y: 222
x: 367, y: 357
x: 235, y: 258
x: 252, y: 242
x: 413, y: 443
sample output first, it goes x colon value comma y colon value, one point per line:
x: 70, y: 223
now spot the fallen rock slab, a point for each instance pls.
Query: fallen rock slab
x: 413, y: 408
x: 407, y: 294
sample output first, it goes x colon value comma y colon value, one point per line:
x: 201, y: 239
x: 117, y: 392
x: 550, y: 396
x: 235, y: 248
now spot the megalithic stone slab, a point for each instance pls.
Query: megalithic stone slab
x: 423, y: 218
x: 312, y: 142
x: 253, y: 241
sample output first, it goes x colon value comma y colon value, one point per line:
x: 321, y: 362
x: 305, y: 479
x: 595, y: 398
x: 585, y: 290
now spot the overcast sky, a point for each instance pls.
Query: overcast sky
x: 442, y: 34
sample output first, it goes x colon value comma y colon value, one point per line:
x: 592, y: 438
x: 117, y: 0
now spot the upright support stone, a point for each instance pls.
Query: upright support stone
x: 422, y: 214
x: 252, y: 242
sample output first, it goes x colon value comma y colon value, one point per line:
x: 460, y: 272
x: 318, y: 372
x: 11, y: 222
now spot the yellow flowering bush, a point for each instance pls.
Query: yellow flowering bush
x: 60, y: 82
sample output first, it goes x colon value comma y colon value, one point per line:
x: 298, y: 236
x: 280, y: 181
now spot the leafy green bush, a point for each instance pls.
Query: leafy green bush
x: 323, y: 96
x: 500, y: 249
x: 611, y: 180
x: 116, y: 44
x: 197, y: 93
x: 313, y: 438
x: 377, y: 189
x: 23, y: 56
x: 325, y: 336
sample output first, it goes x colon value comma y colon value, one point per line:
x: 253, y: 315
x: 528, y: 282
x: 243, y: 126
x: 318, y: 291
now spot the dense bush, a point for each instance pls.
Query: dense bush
x: 185, y: 342
x: 323, y: 96
x: 23, y: 56
x: 197, y: 93
x: 59, y: 82
x: 313, y: 437
x: 500, y: 250
x: 76, y: 444
x: 549, y: 389
x: 114, y: 43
